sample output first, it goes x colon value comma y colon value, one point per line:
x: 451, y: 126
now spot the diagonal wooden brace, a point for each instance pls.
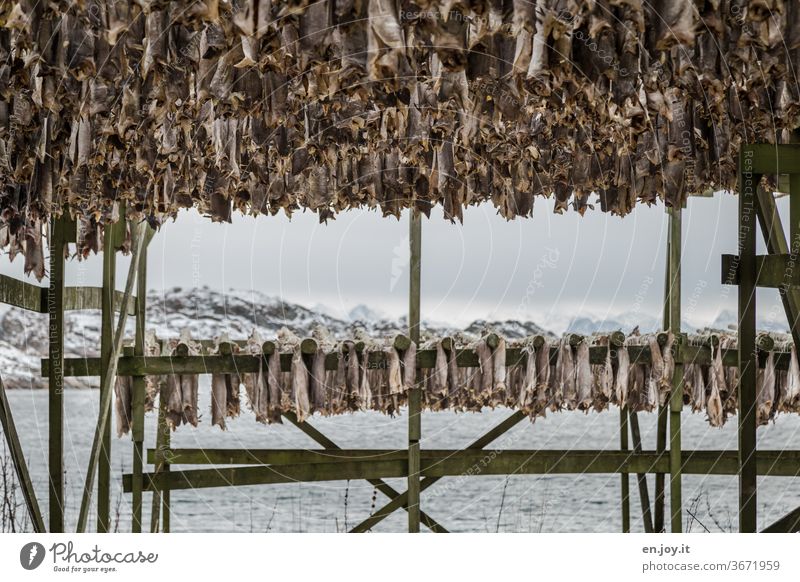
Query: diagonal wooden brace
x: 402, y: 499
x: 379, y: 484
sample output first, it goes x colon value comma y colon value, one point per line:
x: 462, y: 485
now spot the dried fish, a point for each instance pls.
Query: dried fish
x: 565, y: 376
x: 765, y: 395
x: 583, y: 377
x: 527, y: 401
x: 123, y: 390
x: 299, y: 375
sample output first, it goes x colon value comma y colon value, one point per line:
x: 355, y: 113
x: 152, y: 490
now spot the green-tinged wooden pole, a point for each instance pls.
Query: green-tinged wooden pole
x: 106, y: 392
x: 55, y: 311
x: 18, y: 460
x: 414, y: 395
x: 161, y: 461
x: 641, y: 478
x: 110, y: 238
x: 676, y: 396
x: 625, y: 482
x: 139, y: 382
x: 748, y: 182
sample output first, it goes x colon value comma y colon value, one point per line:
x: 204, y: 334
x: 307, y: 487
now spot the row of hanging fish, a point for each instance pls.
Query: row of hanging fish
x: 335, y: 104
x: 571, y: 373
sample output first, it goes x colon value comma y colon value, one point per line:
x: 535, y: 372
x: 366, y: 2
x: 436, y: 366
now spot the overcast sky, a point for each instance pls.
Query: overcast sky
x: 548, y: 268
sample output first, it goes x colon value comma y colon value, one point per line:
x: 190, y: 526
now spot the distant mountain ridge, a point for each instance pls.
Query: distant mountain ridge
x: 208, y: 313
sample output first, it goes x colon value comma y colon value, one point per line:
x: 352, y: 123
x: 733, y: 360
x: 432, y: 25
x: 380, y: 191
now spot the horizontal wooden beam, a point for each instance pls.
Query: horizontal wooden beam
x: 774, y: 271
x: 34, y: 298
x: 272, y: 456
x: 21, y: 294
x: 221, y: 364
x: 772, y: 158
x: 448, y: 463
x: 82, y: 298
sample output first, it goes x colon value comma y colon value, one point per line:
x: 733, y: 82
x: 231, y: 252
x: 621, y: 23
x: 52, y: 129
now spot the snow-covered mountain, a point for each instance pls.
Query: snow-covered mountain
x: 206, y: 313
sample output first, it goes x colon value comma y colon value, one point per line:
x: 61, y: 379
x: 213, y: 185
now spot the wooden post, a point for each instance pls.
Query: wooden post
x: 139, y: 388
x: 676, y: 396
x: 625, y: 482
x: 102, y: 430
x: 748, y: 182
x: 160, y: 498
x: 414, y: 395
x: 106, y: 340
x: 55, y: 311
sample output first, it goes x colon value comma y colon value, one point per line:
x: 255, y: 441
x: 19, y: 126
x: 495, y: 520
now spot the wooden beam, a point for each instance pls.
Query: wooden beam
x: 18, y: 460
x: 20, y: 294
x: 773, y: 271
x: 436, y: 464
x: 139, y: 382
x: 625, y: 483
x: 54, y: 302
x: 771, y: 158
x: 415, y: 393
x: 333, y: 453
x: 748, y: 181
x: 102, y: 430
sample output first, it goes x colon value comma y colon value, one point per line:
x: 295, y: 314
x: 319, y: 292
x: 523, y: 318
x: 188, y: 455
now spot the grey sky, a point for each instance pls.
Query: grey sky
x: 548, y: 268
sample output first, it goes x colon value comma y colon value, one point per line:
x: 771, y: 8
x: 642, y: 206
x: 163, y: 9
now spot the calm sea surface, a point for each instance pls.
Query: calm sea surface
x: 559, y: 503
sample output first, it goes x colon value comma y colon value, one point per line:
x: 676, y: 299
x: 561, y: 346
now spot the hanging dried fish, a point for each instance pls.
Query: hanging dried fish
x: 790, y: 399
x: 410, y: 367
x: 299, y: 379
x: 394, y: 379
x: 123, y: 390
x: 440, y: 372
x: 527, y: 401
x: 583, y: 377
x: 317, y: 388
x: 698, y: 397
x: 622, y: 378
x: 716, y: 376
x: 499, y: 366
x: 225, y: 387
x: 542, y: 376
x: 485, y: 378
x: 565, y: 376
x: 603, y: 382
x: 765, y: 396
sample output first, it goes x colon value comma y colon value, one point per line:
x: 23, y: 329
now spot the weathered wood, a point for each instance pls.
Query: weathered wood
x: 445, y: 463
x: 102, y: 430
x: 676, y: 396
x: 21, y: 294
x: 625, y: 482
x: 137, y: 430
x: 333, y: 453
x: 18, y: 461
x: 748, y: 181
x: 641, y: 478
x: 402, y: 499
x: 770, y: 158
x: 54, y: 302
x: 775, y: 238
x: 414, y: 394
x: 773, y: 271
x: 106, y: 388
x: 161, y: 461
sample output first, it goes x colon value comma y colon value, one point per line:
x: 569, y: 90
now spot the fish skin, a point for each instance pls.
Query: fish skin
x: 622, y: 377
x: 583, y: 377
x: 299, y: 380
